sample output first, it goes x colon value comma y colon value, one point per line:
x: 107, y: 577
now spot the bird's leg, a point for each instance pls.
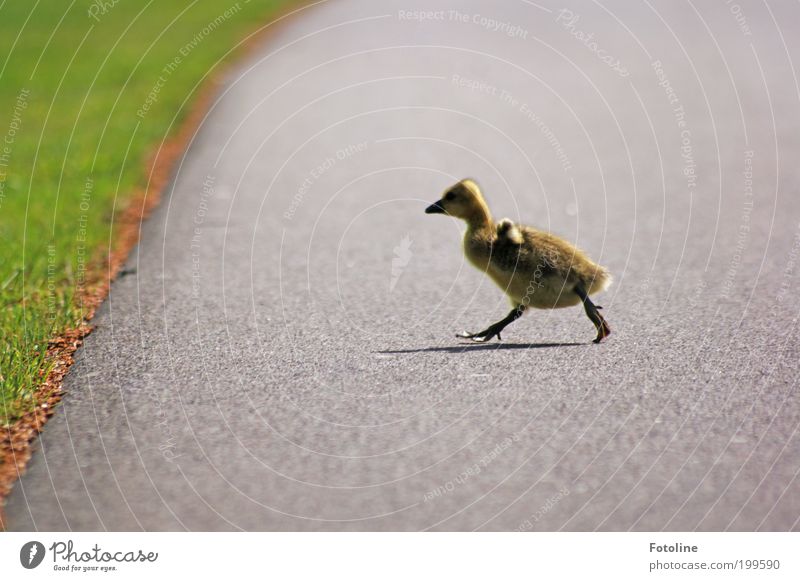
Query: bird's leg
x: 494, y: 329
x: 603, y: 330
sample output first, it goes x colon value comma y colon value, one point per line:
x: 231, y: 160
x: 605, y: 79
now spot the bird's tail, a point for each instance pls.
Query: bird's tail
x: 601, y: 281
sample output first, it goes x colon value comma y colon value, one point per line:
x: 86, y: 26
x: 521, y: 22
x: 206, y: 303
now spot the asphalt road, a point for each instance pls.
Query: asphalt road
x: 284, y: 356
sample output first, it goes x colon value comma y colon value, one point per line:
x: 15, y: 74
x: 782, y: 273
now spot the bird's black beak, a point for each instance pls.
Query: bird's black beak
x: 435, y: 208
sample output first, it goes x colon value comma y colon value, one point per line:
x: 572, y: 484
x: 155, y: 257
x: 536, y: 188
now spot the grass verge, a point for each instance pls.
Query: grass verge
x: 88, y: 90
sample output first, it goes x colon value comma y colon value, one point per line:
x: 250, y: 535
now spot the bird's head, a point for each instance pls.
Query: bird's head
x: 462, y: 200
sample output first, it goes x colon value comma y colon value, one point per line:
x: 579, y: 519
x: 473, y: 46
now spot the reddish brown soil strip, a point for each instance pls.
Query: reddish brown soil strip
x: 16, y: 440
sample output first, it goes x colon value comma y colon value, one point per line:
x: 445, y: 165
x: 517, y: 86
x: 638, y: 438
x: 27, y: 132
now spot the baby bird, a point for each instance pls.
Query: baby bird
x: 535, y: 269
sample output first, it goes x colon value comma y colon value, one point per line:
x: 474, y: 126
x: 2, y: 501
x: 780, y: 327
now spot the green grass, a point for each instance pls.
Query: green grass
x: 72, y: 147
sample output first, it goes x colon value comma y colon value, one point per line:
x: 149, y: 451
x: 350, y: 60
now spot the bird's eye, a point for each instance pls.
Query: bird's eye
x: 449, y: 196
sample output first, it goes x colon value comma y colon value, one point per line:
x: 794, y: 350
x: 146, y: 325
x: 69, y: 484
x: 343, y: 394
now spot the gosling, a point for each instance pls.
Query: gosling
x: 535, y: 269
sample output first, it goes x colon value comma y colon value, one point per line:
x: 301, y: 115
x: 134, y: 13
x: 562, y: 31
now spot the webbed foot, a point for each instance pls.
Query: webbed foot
x: 483, y: 336
x: 603, y: 330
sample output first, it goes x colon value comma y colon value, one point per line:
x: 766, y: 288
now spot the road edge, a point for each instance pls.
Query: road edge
x: 17, y: 439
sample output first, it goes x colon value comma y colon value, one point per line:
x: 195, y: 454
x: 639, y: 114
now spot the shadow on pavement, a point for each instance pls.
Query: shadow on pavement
x: 480, y: 347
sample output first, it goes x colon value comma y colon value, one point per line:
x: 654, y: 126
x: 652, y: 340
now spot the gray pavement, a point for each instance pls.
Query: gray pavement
x: 284, y: 356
